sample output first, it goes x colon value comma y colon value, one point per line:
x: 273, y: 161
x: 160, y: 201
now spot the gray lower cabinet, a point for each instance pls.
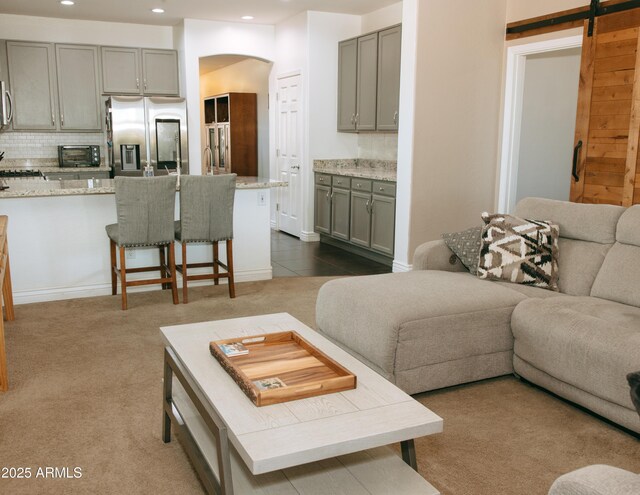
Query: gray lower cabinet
x: 78, y: 91
x: 322, y: 210
x: 340, y: 206
x: 360, y: 218
x: 98, y: 174
x: 358, y: 211
x: 383, y: 212
x: 32, y: 81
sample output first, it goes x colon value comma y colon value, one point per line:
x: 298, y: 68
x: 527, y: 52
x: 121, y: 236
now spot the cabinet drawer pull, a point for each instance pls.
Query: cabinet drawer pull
x: 321, y: 179
x: 358, y: 185
x: 62, y: 119
x: 395, y: 118
x: 381, y: 188
x: 137, y: 83
x: 328, y: 195
x: 53, y: 119
x: 366, y: 205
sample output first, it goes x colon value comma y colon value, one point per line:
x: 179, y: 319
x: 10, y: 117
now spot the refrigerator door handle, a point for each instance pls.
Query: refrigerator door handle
x: 10, y: 100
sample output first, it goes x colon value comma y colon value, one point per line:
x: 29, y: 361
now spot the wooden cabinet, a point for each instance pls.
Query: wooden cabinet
x: 388, y: 96
x: 369, y: 81
x: 139, y: 71
x: 359, y: 212
x: 32, y: 81
x: 78, y: 93
x: 232, y: 132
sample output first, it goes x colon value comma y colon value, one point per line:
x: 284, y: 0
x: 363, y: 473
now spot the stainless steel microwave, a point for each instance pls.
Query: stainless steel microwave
x: 79, y: 155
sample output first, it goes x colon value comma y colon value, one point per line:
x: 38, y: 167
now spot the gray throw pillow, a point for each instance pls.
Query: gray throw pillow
x: 466, y: 246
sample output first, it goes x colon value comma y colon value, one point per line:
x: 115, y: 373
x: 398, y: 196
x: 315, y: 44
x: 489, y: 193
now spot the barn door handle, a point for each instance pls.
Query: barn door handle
x: 576, y: 152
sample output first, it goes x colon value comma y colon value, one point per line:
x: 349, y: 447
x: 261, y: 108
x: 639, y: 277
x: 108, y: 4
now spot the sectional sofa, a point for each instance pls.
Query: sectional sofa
x: 438, y: 325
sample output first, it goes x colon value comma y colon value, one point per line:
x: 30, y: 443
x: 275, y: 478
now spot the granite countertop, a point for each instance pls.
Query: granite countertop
x: 384, y: 170
x: 37, y: 188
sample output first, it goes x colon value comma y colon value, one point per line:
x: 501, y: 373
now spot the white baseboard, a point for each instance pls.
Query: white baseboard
x: 309, y: 236
x: 401, y: 267
x: 274, y: 225
x: 75, y: 292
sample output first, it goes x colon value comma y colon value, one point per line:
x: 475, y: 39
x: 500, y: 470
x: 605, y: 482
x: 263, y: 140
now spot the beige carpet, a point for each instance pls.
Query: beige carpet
x: 86, y: 392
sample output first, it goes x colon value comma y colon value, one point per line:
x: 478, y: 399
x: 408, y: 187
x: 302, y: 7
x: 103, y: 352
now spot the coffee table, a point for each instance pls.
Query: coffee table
x: 228, y: 437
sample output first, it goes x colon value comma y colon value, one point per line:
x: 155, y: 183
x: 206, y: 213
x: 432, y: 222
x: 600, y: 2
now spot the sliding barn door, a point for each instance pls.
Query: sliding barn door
x: 605, y: 168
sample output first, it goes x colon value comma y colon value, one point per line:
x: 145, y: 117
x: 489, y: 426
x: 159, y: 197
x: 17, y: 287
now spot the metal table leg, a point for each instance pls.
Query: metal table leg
x: 408, y: 448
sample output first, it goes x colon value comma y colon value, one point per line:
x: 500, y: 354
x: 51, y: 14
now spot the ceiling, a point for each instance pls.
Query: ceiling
x: 139, y: 11
x: 216, y: 62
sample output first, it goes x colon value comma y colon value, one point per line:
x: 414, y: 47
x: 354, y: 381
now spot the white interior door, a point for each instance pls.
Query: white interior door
x: 289, y: 152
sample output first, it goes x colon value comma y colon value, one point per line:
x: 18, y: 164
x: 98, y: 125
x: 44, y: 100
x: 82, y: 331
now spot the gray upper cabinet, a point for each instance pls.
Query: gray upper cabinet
x: 139, y: 71
x: 160, y: 72
x: 367, y: 82
x: 347, y: 84
x: 389, y: 50
x: 32, y: 81
x: 120, y: 70
x: 78, y: 93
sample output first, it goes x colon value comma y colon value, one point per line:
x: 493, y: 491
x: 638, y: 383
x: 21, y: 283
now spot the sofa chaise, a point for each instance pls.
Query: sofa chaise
x: 439, y: 326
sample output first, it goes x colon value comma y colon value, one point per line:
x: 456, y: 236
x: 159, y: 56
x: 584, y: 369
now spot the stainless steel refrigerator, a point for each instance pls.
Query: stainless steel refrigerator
x: 147, y: 131
x: 217, y: 155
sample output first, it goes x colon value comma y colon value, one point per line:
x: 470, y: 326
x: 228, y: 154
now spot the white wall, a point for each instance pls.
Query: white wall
x: 30, y: 28
x: 380, y: 19
x: 548, y: 124
x: 248, y: 76
x: 519, y: 10
x: 453, y: 133
x: 205, y: 38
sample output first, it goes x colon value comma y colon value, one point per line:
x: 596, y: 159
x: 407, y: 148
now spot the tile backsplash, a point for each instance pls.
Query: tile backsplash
x: 378, y: 146
x: 45, y: 144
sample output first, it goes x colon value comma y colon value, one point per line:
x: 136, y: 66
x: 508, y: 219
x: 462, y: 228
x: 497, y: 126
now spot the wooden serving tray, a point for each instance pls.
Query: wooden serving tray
x: 304, y: 369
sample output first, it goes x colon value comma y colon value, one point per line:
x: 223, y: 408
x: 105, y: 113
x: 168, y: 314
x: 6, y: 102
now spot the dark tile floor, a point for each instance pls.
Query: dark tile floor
x: 291, y: 257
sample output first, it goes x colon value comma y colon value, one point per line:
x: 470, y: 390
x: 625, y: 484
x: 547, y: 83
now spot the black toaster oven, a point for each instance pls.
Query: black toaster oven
x: 79, y: 155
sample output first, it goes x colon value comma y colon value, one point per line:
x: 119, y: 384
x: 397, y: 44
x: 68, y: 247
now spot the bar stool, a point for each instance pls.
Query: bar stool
x: 206, y: 216
x: 145, y: 209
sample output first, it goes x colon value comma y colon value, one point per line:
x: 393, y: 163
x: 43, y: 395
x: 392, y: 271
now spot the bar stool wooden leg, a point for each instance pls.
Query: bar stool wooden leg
x: 114, y: 277
x: 232, y: 287
x: 216, y: 268
x: 123, y: 277
x: 185, y: 297
x: 163, y: 266
x: 172, y: 268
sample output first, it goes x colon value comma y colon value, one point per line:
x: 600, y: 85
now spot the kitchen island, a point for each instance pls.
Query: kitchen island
x: 60, y: 250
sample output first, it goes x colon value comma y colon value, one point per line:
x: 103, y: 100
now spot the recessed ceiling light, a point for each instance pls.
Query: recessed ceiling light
x: 247, y: 17
x: 67, y: 2
x: 157, y: 11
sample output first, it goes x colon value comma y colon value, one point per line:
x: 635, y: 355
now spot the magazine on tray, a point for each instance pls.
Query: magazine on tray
x: 236, y: 349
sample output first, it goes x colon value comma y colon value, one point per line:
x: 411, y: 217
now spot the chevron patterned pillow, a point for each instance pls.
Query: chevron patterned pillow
x: 519, y: 251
